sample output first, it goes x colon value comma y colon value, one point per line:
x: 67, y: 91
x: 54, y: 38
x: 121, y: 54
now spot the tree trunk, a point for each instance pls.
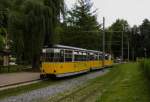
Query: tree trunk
x: 36, y: 62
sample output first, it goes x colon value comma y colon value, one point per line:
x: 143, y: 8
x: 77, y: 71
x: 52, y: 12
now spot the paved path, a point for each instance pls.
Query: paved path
x: 14, y: 78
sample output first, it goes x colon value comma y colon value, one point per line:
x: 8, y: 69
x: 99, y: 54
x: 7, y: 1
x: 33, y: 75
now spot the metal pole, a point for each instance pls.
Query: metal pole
x: 132, y: 44
x: 122, y: 53
x: 133, y: 54
x: 145, y: 52
x: 128, y: 50
x: 103, y: 38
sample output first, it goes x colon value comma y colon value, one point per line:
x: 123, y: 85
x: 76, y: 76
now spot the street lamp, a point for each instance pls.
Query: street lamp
x: 103, y: 38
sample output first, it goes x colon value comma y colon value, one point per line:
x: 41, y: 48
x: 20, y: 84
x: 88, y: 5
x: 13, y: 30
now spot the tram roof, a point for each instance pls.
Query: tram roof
x: 75, y: 48
x: 94, y: 51
x: 68, y: 47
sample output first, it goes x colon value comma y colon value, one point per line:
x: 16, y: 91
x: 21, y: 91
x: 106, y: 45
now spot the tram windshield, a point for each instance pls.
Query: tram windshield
x: 57, y: 55
x: 52, y: 55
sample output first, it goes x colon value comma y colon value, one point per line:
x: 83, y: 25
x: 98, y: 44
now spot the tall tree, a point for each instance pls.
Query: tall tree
x: 56, y: 8
x: 82, y: 27
x: 116, y: 30
x: 4, y: 11
x: 136, y: 42
x: 145, y: 36
x: 31, y: 24
x: 82, y: 17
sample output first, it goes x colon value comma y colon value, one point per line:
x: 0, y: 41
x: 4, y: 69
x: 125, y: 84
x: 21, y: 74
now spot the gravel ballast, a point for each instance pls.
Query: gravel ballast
x: 45, y: 93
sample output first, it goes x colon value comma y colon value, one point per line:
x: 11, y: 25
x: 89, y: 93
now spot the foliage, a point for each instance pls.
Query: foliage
x: 114, y: 37
x: 140, y: 40
x: 3, y: 22
x: 31, y: 25
x: 1, y: 43
x: 56, y: 7
x: 145, y: 66
x: 80, y: 27
x: 145, y: 36
x: 82, y: 17
x: 14, y: 68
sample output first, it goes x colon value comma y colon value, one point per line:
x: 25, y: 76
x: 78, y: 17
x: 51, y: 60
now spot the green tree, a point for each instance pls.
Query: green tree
x: 31, y: 25
x: 140, y: 40
x: 145, y: 37
x: 2, y: 43
x: 56, y: 8
x: 116, y: 30
x: 81, y: 26
x: 136, y: 43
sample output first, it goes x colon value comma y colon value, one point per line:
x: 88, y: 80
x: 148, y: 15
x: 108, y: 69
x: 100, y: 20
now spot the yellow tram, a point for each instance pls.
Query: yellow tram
x: 61, y: 61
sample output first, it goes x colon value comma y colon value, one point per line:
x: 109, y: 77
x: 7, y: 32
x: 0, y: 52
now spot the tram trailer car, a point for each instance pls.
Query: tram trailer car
x: 61, y: 61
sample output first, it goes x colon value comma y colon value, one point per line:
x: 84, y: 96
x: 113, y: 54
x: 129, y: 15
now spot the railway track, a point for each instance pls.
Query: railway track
x: 74, y: 96
x: 14, y: 85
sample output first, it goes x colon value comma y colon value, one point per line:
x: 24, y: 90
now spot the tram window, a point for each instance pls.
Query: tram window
x: 107, y: 57
x: 100, y: 57
x: 91, y: 57
x: 49, y: 57
x: 79, y: 57
x: 76, y: 57
x: 68, y: 55
x: 84, y: 58
x: 56, y: 57
x: 88, y: 57
x: 96, y: 57
x: 61, y: 56
x: 53, y: 56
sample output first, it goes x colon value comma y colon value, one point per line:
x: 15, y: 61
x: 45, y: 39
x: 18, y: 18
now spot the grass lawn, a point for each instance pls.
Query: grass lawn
x: 128, y: 85
x: 124, y: 83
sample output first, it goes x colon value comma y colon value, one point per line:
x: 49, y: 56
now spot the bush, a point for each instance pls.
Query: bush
x: 14, y: 68
x: 145, y: 65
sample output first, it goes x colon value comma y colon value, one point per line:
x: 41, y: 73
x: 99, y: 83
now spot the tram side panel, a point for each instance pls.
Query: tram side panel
x: 64, y: 68
x: 70, y: 62
x: 97, y: 64
x: 58, y: 68
x: 108, y: 63
x: 81, y: 66
x: 108, y: 60
x: 72, y: 67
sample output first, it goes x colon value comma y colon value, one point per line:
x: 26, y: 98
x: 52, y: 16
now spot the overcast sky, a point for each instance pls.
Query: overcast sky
x: 134, y: 11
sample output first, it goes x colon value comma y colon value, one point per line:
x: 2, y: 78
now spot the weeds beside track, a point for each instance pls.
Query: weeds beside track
x: 124, y: 83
